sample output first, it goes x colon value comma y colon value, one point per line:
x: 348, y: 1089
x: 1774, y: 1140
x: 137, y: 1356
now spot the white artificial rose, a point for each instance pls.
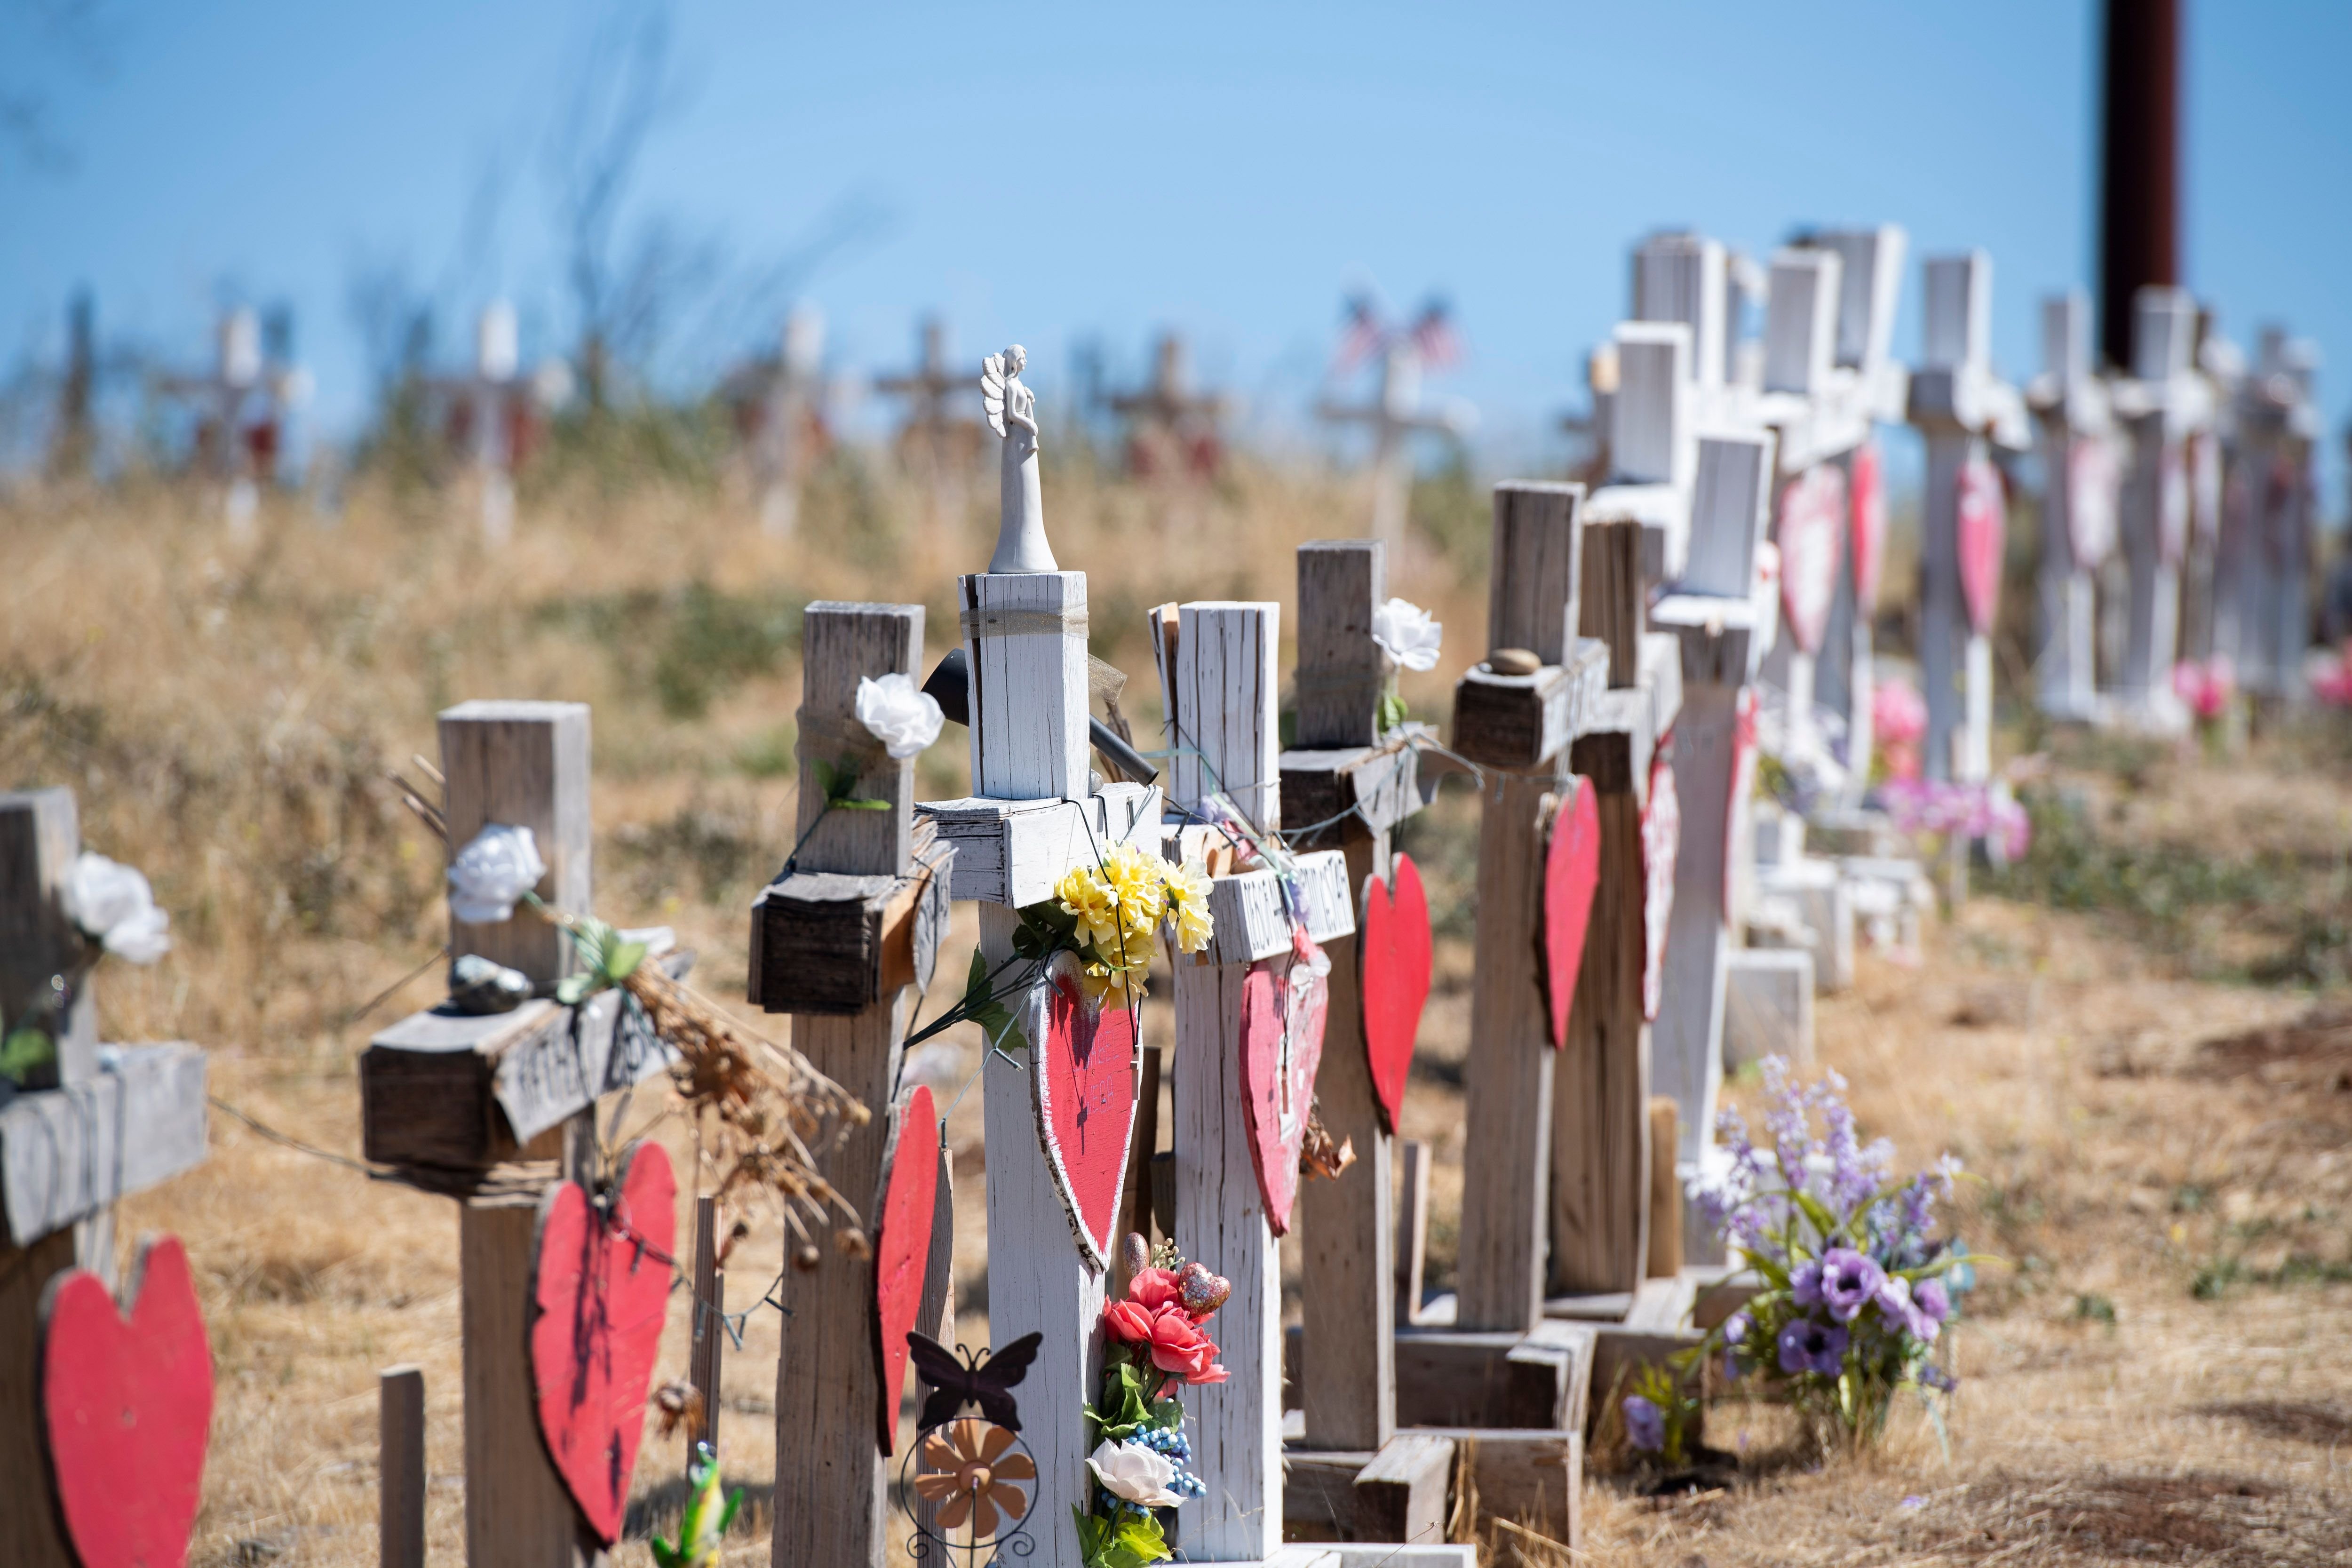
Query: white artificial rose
x: 1135, y: 1473
x: 114, y: 907
x: 1407, y: 634
x: 897, y: 713
x: 490, y: 874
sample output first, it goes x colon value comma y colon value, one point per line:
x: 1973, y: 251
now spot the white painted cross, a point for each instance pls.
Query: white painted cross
x: 2166, y: 404
x: 1963, y: 408
x: 2261, y: 618
x: 2080, y: 471
x: 241, y: 410
x: 1395, y: 414
x: 783, y: 403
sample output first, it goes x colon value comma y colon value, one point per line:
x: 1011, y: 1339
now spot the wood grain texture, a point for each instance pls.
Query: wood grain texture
x: 827, y: 942
x: 1650, y: 416
x: 1665, y: 1239
x: 1600, y: 1150
x: 40, y: 835
x: 1348, y: 1295
x: 1251, y: 911
x: 1222, y: 687
x: 1038, y: 1281
x: 1401, y: 1494
x: 1538, y: 555
x: 400, y: 1467
x: 842, y: 644
x: 31, y: 1533
x: 66, y: 1154
x: 1236, y: 1425
x: 1014, y: 851
x: 827, y: 1387
x: 1024, y: 635
x: 1508, y: 1076
x: 1533, y: 1478
x: 706, y: 1337
x: 1329, y: 796
x: 1341, y: 672
x: 1611, y: 606
x: 1686, y: 1040
x: 524, y: 764
x: 517, y: 1510
x: 1730, y: 503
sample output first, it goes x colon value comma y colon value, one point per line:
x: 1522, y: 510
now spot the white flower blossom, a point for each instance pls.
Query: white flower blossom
x: 1135, y: 1473
x: 114, y: 907
x: 490, y: 874
x: 1407, y: 634
x: 897, y: 713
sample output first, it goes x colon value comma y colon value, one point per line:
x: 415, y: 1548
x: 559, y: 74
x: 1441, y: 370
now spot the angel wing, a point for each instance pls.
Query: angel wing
x: 993, y: 378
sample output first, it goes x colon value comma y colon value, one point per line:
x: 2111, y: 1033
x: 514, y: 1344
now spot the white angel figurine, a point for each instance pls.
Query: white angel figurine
x: 1021, y: 543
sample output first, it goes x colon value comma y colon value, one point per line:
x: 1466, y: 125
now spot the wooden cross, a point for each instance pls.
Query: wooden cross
x: 1395, y: 415
x: 240, y: 409
x: 87, y: 1135
x: 1172, y: 428
x: 2260, y: 614
x: 836, y: 941
x: 1963, y: 409
x: 2165, y: 404
x: 1601, y: 1156
x: 1518, y: 727
x: 780, y: 410
x: 1219, y: 683
x: 457, y: 1101
x: 943, y: 441
x: 1721, y: 611
x: 2075, y: 429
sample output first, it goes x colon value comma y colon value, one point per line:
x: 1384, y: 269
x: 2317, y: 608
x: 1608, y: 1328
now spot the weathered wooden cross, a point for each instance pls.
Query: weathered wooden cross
x: 2166, y: 404
x: 836, y: 941
x: 493, y: 1109
x: 1395, y: 416
x: 99, y: 1124
x: 1963, y: 408
x: 1172, y: 429
x: 2261, y: 614
x: 2076, y: 435
x: 780, y: 407
x: 240, y: 407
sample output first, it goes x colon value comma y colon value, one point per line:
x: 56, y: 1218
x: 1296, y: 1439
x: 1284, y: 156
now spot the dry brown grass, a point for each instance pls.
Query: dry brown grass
x: 225, y: 713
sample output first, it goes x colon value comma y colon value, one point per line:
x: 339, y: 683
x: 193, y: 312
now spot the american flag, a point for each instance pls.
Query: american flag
x: 1365, y: 334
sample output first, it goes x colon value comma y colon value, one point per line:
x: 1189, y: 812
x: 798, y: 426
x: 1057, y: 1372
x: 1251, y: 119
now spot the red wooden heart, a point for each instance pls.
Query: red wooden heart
x: 1284, y: 1001
x: 2090, y: 496
x: 1982, y: 524
x: 1868, y: 485
x: 902, y: 1245
x: 1812, y: 548
x: 600, y: 1290
x: 1743, y: 784
x: 1661, y: 838
x: 1572, y: 875
x: 1392, y: 956
x: 1085, y: 1107
x: 127, y: 1405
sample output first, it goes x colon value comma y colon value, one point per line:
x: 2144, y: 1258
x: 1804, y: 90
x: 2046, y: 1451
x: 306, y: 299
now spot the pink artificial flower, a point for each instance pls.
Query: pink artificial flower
x: 1179, y: 1349
x: 1128, y: 1323
x: 2332, y: 685
x: 2205, y: 687
x: 1152, y: 1288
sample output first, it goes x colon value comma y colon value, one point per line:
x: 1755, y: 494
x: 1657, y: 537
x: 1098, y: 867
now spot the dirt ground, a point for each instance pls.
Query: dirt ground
x: 2129, y: 1041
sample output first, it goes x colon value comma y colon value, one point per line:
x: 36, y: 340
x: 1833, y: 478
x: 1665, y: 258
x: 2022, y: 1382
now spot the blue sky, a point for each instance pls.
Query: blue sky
x: 1046, y: 173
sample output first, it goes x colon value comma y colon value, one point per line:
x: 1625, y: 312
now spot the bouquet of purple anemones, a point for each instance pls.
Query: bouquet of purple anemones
x: 1855, y: 1281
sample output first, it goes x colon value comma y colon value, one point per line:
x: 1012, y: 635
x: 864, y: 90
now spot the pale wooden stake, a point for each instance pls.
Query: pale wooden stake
x: 1412, y: 1229
x: 1665, y: 1239
x: 1224, y: 690
x: 400, y: 1482
x: 1599, y: 1152
x: 524, y: 764
x: 828, y: 1386
x: 1025, y: 639
x: 708, y: 1343
x: 2165, y: 404
x: 1350, y: 1352
x: 2072, y: 412
x: 1532, y: 604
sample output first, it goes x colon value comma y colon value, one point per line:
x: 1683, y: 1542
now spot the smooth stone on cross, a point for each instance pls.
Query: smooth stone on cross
x: 1020, y: 544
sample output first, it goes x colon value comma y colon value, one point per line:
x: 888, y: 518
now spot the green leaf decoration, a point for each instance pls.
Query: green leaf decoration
x: 575, y: 989
x: 25, y: 1047
x: 848, y: 804
x: 623, y: 961
x: 1392, y: 714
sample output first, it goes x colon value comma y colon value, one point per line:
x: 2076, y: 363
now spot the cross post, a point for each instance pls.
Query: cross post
x: 2165, y: 404
x: 82, y: 1136
x: 2261, y: 617
x: 1395, y: 416
x: 2075, y: 431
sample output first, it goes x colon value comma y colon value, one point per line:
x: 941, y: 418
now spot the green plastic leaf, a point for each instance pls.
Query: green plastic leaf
x: 1168, y: 1415
x: 1138, y: 1539
x: 846, y: 802
x: 575, y: 989
x: 623, y: 961
x: 1392, y: 714
x: 25, y: 1047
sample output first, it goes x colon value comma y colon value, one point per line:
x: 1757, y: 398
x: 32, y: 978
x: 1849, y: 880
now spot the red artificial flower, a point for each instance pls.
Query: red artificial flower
x: 1179, y: 1349
x: 1152, y: 1288
x: 1128, y: 1323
